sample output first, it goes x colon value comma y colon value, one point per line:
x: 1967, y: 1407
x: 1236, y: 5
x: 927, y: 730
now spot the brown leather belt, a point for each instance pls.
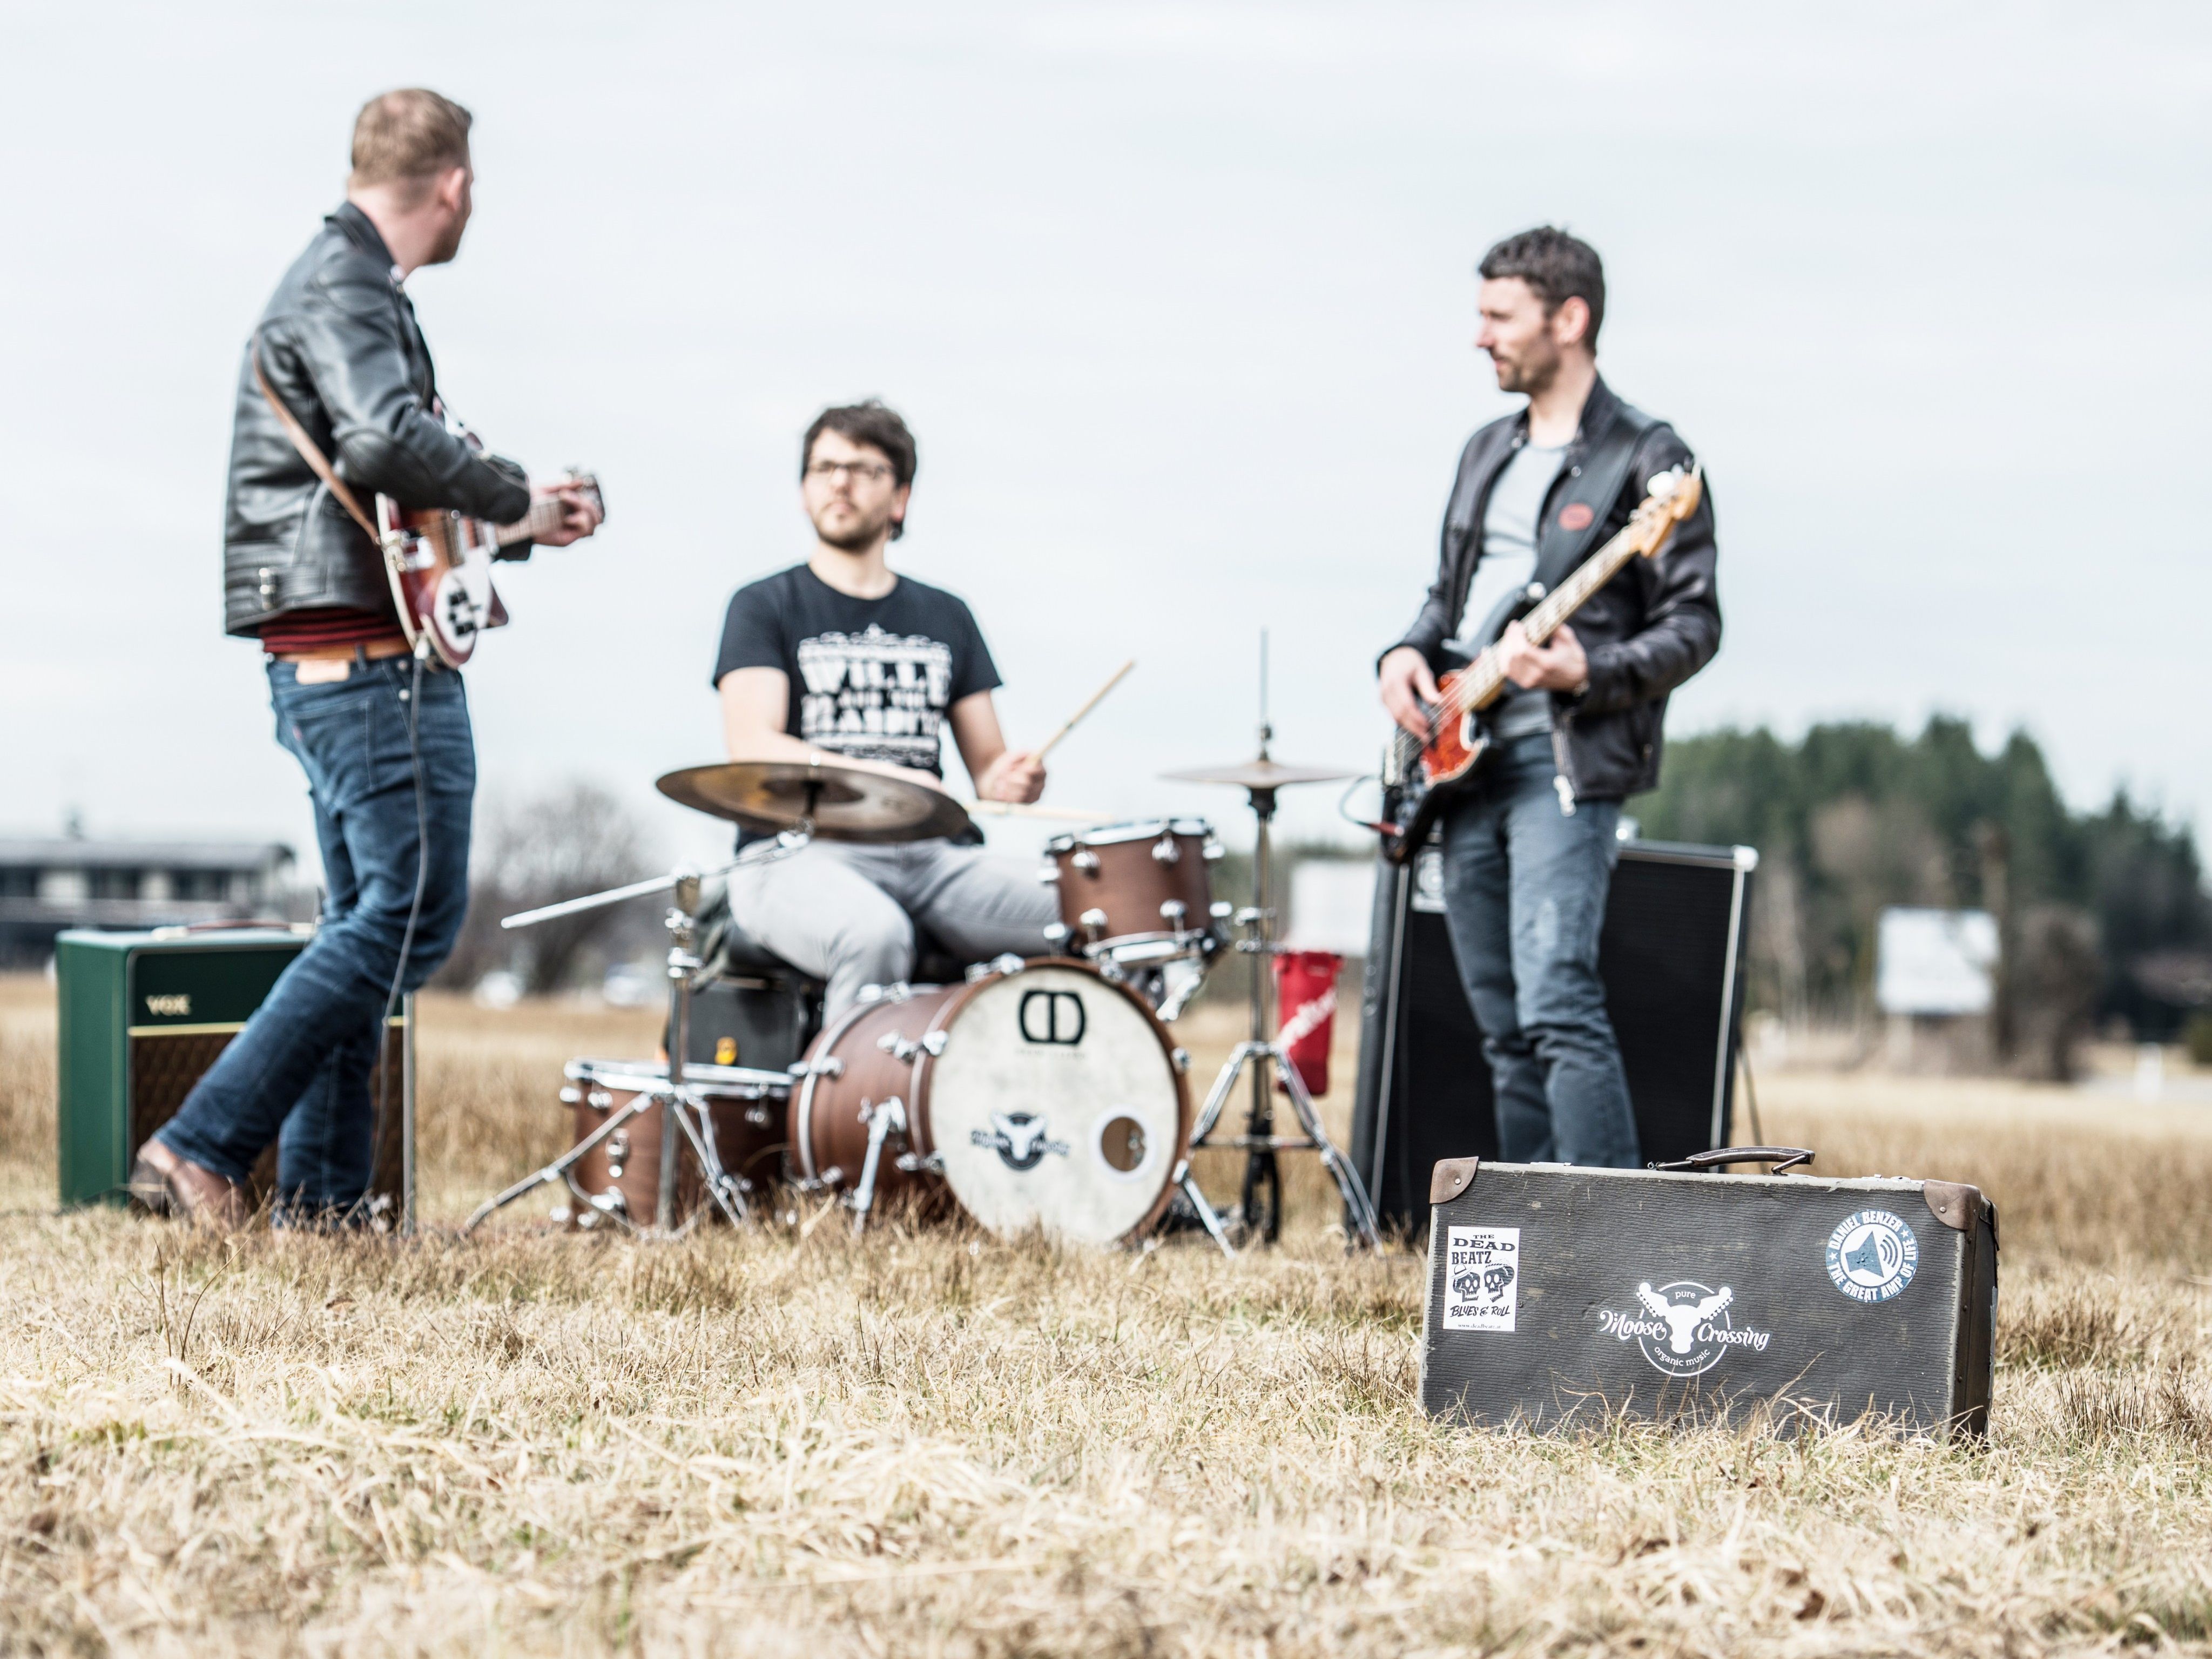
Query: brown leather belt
x: 372, y: 651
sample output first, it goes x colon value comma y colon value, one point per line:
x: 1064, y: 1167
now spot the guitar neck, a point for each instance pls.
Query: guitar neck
x: 1486, y: 680
x: 543, y: 518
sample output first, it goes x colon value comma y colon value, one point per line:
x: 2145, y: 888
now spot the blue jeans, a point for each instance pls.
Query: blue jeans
x: 299, y: 1073
x: 1524, y: 885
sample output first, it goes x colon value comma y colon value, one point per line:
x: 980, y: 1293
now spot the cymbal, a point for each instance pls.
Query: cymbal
x: 845, y: 803
x: 1261, y: 773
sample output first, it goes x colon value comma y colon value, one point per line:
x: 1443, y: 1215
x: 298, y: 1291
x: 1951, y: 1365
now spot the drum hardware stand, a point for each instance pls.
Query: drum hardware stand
x: 1263, y: 1052
x: 884, y: 1120
x: 681, y: 1106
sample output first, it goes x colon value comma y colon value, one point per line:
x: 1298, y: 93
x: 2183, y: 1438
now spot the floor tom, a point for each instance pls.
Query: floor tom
x: 746, y: 1113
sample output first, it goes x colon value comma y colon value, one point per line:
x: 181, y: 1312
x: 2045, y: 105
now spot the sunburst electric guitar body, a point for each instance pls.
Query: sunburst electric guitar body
x: 1428, y: 772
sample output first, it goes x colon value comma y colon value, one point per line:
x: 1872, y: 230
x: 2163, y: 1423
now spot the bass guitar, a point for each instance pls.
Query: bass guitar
x: 439, y: 563
x: 1425, y: 774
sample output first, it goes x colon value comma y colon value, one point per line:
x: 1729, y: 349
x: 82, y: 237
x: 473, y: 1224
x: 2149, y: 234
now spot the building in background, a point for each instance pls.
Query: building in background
x: 47, y: 884
x: 1936, y: 980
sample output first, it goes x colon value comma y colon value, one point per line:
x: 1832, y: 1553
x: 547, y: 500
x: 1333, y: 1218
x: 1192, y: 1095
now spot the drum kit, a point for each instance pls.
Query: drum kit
x: 1038, y: 1094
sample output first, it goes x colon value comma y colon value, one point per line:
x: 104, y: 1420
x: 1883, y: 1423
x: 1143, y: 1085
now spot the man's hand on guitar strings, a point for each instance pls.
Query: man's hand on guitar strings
x: 1409, y: 691
x: 579, y: 515
x: 1562, y: 665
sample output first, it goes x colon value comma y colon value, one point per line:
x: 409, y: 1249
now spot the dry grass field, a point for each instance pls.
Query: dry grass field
x: 784, y: 1441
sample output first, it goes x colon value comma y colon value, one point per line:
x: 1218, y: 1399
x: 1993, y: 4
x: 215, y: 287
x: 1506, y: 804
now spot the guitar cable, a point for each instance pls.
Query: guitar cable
x: 413, y: 697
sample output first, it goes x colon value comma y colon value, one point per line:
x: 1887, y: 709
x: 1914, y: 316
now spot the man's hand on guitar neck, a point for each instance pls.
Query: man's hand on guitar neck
x: 1561, y: 666
x: 1409, y: 690
x: 579, y: 515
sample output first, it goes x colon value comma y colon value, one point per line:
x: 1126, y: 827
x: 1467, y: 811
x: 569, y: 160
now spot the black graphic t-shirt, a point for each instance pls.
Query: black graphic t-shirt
x: 871, y: 678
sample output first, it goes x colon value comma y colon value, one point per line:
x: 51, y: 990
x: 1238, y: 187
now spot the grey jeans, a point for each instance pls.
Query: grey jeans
x: 846, y: 914
x: 1525, y: 886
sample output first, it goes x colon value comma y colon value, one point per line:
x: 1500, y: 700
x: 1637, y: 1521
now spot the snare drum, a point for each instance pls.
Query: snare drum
x: 747, y: 1111
x: 1043, y: 1096
x: 1139, y: 892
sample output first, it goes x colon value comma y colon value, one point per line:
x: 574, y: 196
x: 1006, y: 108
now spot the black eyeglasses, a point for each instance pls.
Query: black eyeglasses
x: 873, y: 471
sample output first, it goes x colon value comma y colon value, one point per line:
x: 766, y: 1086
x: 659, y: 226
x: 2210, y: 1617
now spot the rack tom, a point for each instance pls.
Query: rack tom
x: 747, y: 1111
x: 1138, y: 891
x: 1042, y: 1095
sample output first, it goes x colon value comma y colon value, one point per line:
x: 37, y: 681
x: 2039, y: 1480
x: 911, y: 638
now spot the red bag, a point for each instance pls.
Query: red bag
x: 1305, y: 1005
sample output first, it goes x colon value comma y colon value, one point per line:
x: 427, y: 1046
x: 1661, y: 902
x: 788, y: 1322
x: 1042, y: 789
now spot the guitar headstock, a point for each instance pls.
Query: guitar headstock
x: 576, y: 478
x: 1674, y: 496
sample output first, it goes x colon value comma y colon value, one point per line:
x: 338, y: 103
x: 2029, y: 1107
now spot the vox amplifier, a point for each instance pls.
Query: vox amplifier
x: 1671, y: 956
x: 142, y: 1016
x: 1560, y: 1297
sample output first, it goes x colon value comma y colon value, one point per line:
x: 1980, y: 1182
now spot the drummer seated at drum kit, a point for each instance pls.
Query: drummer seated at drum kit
x: 842, y: 661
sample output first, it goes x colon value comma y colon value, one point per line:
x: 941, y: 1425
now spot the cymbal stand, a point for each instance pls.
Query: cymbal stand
x: 1263, y: 1054
x: 686, y: 1111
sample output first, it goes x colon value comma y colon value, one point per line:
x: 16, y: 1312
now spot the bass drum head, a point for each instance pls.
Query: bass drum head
x: 1055, y: 1104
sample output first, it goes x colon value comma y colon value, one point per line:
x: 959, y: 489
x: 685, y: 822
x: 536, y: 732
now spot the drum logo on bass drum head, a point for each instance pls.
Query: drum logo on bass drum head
x: 1020, y: 1138
x: 1872, y: 1255
x: 1052, y: 1017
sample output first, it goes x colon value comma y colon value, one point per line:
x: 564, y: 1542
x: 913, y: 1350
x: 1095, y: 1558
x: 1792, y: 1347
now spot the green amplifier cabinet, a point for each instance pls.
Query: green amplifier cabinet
x: 142, y: 1016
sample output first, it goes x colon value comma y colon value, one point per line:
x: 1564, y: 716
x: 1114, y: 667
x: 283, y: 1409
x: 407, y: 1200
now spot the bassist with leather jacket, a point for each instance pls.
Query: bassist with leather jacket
x: 384, y: 742
x: 1528, y: 846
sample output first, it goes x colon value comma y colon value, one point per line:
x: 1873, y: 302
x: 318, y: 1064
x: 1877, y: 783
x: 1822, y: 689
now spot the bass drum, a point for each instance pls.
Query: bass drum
x: 1040, y: 1097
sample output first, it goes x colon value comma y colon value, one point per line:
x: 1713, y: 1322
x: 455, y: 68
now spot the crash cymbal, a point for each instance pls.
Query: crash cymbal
x: 1261, y: 773
x: 845, y: 803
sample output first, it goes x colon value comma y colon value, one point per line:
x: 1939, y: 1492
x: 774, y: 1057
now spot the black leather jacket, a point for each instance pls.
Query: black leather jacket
x: 1648, y: 629
x: 340, y: 347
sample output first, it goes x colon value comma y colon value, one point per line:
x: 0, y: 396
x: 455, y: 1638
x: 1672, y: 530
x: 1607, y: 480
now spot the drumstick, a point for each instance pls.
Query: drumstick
x: 1096, y: 697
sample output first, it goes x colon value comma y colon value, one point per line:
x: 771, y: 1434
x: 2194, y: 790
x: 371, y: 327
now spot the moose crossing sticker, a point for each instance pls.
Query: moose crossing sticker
x: 1684, y: 1328
x: 1482, y: 1278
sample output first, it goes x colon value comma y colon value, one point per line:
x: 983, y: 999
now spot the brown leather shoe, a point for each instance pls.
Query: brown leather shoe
x: 169, y: 1185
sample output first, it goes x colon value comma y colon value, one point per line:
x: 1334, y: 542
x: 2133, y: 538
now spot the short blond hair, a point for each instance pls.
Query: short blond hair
x: 411, y: 135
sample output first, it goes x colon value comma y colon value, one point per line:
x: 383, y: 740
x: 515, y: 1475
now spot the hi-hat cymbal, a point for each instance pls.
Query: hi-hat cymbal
x: 1261, y: 773
x: 844, y: 802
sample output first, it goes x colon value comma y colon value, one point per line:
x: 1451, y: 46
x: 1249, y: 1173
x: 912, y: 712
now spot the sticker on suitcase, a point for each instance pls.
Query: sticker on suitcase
x: 1482, y: 1278
x: 1872, y: 1255
x: 1684, y: 1328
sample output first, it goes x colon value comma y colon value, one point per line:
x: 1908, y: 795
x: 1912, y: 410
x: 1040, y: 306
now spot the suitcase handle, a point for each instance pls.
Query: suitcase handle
x: 1782, y: 1157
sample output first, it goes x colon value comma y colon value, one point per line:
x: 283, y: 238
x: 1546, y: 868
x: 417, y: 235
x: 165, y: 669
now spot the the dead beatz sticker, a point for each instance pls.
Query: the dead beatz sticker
x: 1482, y: 1278
x: 1872, y: 1255
x: 1684, y: 1328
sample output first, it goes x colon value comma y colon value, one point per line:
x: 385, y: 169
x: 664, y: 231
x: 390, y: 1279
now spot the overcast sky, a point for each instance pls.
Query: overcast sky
x: 1179, y: 301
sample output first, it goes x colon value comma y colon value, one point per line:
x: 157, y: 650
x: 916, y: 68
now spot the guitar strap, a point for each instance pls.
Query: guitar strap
x: 308, y: 451
x: 1604, y: 472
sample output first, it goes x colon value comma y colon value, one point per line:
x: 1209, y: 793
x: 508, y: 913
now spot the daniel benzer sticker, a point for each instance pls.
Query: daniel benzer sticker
x: 1482, y: 1278
x: 1872, y: 1255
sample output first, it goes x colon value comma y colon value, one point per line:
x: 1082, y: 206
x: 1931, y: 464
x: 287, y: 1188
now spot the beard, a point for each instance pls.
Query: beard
x: 859, y: 534
x: 1530, y: 373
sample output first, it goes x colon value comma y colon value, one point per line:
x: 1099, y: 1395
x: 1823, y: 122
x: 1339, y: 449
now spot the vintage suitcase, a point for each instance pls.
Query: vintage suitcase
x: 143, y: 1014
x: 1560, y: 1296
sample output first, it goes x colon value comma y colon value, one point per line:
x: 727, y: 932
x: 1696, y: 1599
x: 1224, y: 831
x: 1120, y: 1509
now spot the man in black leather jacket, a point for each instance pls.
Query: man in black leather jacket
x: 386, y: 747
x: 1529, y: 852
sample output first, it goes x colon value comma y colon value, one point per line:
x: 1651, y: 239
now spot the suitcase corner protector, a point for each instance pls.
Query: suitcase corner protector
x: 1953, y: 1203
x: 1451, y: 1177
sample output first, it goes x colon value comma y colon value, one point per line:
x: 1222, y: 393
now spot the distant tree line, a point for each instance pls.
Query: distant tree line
x: 2102, y: 914
x: 573, y: 838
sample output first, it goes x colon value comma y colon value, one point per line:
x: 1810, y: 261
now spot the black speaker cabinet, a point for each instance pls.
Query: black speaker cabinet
x: 1671, y: 955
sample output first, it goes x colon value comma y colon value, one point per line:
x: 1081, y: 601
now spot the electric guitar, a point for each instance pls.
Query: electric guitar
x: 439, y: 563
x: 1426, y: 776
